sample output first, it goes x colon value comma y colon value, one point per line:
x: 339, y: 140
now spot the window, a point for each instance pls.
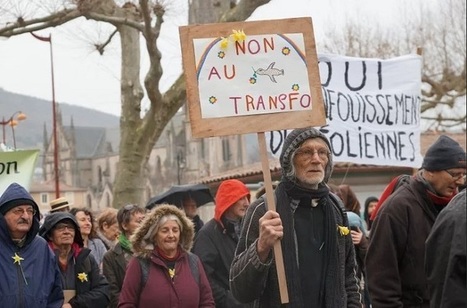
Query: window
x: 44, y: 199
x: 226, y: 149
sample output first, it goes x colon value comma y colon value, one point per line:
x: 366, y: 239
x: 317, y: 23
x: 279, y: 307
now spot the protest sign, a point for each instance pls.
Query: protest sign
x: 17, y: 166
x: 249, y: 77
x: 372, y: 109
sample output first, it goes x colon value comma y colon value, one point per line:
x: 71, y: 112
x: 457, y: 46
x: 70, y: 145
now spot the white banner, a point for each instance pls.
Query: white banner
x: 372, y: 110
x: 17, y: 166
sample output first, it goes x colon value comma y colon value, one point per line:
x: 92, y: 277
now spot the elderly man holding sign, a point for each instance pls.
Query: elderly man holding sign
x: 312, y: 229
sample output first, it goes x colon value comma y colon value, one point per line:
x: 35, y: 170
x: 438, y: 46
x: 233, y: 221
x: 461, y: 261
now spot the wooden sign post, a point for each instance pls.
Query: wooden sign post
x: 253, y: 77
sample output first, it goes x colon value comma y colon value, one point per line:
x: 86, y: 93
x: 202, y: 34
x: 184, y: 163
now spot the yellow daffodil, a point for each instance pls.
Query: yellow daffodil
x: 343, y: 230
x: 224, y: 42
x: 17, y: 259
x: 83, y: 277
x: 238, y: 35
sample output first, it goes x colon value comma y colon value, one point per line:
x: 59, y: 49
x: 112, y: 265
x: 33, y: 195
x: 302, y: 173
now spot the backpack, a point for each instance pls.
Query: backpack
x: 144, y: 264
x: 395, y: 183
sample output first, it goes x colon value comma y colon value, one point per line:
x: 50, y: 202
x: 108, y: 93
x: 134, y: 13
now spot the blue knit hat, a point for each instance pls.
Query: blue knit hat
x: 444, y: 153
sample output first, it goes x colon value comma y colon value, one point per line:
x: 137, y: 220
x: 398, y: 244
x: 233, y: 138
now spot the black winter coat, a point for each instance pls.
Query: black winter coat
x: 215, y: 246
x: 395, y: 257
x: 93, y: 292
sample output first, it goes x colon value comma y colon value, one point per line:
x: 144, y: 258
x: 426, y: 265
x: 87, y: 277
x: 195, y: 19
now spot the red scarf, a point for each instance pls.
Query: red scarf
x: 165, y: 257
x: 439, y: 201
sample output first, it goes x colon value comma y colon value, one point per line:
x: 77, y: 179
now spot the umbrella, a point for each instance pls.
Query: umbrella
x: 199, y: 192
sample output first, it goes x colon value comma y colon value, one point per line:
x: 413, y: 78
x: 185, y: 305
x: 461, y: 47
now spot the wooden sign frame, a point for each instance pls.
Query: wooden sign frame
x: 210, y: 127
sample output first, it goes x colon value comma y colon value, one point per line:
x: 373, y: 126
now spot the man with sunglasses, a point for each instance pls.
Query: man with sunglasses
x: 395, y: 258
x: 29, y: 273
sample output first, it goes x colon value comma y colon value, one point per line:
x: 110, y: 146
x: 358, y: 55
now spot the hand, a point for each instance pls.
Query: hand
x: 66, y: 305
x: 356, y: 236
x: 270, y: 232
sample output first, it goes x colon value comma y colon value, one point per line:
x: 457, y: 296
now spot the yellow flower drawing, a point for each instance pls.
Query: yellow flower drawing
x: 17, y: 259
x: 343, y: 230
x: 83, y: 277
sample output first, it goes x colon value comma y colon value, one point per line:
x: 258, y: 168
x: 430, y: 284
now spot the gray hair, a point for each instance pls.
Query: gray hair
x: 166, y: 218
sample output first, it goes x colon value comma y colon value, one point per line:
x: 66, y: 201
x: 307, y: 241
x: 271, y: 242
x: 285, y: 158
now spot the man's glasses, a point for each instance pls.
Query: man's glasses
x: 457, y: 175
x: 306, y: 154
x: 20, y: 211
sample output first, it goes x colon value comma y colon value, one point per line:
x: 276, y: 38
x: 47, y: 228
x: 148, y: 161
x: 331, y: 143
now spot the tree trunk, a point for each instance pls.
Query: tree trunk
x: 130, y: 180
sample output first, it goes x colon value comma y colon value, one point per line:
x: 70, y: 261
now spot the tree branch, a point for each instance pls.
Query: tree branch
x: 114, y: 20
x: 53, y: 20
x: 242, y: 9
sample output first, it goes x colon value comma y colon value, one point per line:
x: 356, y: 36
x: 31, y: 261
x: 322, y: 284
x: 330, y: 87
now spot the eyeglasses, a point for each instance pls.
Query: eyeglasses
x: 456, y: 176
x: 63, y: 226
x: 306, y: 154
x: 20, y: 211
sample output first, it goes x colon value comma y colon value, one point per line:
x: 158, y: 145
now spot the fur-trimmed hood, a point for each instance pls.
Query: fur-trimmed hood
x: 138, y: 241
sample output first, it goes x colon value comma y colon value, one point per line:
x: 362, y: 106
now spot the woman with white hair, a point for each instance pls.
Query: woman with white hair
x: 162, y: 261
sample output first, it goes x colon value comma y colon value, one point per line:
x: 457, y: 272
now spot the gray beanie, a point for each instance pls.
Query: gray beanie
x: 444, y: 153
x: 293, y: 142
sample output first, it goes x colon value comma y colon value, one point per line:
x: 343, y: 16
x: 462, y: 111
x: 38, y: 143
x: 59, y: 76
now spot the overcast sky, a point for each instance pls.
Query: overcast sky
x: 84, y: 78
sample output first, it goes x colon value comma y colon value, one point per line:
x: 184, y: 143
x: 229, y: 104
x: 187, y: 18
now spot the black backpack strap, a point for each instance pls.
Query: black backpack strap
x: 193, y: 260
x: 144, y: 265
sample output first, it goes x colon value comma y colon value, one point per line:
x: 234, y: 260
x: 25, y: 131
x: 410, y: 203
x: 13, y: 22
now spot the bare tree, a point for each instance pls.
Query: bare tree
x: 441, y: 33
x: 132, y: 21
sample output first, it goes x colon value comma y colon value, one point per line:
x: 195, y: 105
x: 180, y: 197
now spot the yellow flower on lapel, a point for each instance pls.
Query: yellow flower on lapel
x: 83, y: 277
x: 17, y: 259
x: 343, y: 230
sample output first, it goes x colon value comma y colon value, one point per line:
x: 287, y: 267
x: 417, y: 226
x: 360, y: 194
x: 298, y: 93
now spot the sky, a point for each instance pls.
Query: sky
x: 85, y: 78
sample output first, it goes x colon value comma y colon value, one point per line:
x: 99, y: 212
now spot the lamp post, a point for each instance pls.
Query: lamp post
x: 54, y: 113
x: 12, y: 121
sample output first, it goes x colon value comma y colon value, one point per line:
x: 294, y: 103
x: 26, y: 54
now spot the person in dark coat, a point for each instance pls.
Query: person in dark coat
x: 116, y: 259
x: 445, y: 256
x: 81, y: 280
x: 29, y: 275
x: 396, y: 252
x: 163, y: 272
x: 370, y: 204
x: 312, y: 228
x: 190, y: 207
x: 216, y: 241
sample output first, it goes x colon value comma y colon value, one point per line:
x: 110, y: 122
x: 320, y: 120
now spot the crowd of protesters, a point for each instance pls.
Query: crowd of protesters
x: 405, y: 248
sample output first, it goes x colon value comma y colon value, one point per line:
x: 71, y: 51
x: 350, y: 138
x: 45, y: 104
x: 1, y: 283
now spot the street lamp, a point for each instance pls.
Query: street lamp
x: 12, y: 121
x: 54, y: 113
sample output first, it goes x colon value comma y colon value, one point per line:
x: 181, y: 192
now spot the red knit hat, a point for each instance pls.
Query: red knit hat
x: 229, y: 192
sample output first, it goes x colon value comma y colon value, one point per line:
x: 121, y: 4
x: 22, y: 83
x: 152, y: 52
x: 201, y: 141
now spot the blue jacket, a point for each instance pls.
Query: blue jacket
x: 35, y: 281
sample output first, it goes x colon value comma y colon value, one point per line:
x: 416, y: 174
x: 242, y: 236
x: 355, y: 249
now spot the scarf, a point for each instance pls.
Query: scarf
x: 439, y: 202
x: 124, y: 242
x: 285, y: 192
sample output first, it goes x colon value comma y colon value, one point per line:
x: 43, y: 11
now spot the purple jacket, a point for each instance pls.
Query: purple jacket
x: 184, y: 290
x: 160, y: 290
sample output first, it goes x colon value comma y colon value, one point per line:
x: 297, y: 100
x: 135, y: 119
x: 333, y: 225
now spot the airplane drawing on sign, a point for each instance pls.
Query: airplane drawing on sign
x: 271, y: 71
